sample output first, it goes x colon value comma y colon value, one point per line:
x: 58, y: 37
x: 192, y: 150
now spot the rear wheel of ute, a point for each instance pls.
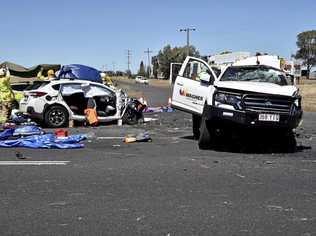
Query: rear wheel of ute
x: 289, y: 142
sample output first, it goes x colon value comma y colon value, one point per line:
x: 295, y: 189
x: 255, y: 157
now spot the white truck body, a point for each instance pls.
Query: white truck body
x: 263, y: 99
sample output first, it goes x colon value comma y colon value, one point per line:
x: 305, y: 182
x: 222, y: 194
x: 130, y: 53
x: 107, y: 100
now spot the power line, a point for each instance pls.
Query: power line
x: 187, y: 30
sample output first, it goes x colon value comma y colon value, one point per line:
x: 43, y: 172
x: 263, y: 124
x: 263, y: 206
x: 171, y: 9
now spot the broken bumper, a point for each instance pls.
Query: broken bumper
x: 228, y: 118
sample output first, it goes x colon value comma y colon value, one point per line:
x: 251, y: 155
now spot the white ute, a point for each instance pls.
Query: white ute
x: 257, y: 97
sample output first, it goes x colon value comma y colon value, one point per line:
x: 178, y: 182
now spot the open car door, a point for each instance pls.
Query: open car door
x: 192, y: 85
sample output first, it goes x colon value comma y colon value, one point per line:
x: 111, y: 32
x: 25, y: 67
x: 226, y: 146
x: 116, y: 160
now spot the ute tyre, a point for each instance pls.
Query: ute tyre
x: 196, y: 123
x: 56, y: 117
x: 205, y: 135
x: 289, y: 142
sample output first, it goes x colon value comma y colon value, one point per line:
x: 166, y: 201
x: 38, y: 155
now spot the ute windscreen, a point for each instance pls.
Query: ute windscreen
x: 255, y: 74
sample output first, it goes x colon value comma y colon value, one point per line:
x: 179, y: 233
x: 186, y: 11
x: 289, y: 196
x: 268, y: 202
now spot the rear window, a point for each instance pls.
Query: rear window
x: 36, y: 85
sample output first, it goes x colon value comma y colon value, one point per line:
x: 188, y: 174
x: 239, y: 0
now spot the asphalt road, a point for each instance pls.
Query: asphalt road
x: 165, y: 187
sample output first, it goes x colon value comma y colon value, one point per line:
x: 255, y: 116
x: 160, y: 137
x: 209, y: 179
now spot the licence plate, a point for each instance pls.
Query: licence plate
x: 269, y: 117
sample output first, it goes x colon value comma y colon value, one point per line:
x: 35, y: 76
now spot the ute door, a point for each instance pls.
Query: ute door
x: 192, y: 85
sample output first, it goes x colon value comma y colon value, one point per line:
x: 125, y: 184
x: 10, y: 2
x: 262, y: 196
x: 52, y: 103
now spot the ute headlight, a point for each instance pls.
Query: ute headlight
x: 228, y: 99
x: 220, y: 97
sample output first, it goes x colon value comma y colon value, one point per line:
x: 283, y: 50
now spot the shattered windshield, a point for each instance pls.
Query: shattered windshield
x: 255, y: 74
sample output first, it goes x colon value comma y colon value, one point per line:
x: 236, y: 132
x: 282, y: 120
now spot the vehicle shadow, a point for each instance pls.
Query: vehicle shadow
x: 254, y: 144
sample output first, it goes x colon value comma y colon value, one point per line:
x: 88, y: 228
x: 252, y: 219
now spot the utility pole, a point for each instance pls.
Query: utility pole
x: 187, y: 30
x: 128, y: 59
x: 149, y: 64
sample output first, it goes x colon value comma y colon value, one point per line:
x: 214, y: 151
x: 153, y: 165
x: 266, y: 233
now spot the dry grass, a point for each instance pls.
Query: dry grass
x: 308, y: 92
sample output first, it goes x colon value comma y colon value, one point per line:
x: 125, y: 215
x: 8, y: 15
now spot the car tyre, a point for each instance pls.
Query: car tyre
x: 196, y: 123
x: 56, y: 116
x: 129, y: 117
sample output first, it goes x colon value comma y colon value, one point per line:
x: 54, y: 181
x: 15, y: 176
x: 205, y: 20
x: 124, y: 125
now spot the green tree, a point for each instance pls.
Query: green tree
x: 225, y: 52
x: 177, y: 54
x: 306, y: 43
x: 142, y: 70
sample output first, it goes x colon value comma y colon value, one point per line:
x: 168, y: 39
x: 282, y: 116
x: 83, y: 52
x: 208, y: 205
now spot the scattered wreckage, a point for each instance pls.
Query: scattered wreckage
x: 256, y: 97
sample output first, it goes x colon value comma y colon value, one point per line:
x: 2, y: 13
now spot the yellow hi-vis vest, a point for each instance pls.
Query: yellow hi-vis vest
x: 6, y: 93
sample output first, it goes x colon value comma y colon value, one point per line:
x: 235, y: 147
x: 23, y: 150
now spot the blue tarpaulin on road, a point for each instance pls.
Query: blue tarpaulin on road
x: 82, y: 72
x: 41, y: 141
x: 27, y: 130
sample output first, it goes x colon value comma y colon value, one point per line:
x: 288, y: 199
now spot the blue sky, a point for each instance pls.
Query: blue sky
x: 98, y: 33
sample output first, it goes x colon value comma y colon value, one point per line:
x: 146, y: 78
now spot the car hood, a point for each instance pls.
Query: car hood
x: 259, y: 87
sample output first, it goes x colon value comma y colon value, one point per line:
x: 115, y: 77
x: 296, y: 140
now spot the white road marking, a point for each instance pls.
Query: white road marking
x: 110, y: 138
x: 32, y: 163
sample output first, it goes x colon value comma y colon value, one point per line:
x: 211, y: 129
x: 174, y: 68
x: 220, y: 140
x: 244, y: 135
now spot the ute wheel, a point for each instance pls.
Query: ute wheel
x: 289, y: 142
x: 196, y: 123
x: 56, y: 116
x: 205, y: 134
x: 129, y: 117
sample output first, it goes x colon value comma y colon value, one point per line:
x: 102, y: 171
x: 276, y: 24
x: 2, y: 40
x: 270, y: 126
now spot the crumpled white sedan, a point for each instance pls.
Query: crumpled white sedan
x: 58, y: 101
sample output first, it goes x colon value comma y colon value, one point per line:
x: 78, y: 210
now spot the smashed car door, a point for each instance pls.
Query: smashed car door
x: 192, y: 85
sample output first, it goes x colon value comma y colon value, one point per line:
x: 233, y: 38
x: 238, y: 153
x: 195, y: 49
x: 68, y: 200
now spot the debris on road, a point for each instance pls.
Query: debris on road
x: 130, y: 139
x: 269, y: 162
x: 240, y: 176
x: 20, y: 155
x: 61, y: 133
x: 147, y: 119
x: 158, y: 109
x: 141, y: 137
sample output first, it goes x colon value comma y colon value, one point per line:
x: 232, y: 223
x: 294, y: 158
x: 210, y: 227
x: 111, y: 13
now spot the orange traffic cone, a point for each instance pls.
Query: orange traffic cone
x: 169, y: 102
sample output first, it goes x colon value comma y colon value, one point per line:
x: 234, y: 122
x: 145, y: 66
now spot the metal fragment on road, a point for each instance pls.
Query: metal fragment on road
x: 241, y: 176
x: 204, y: 166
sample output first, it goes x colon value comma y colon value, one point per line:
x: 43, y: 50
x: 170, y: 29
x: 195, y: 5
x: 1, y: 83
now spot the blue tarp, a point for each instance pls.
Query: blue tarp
x: 27, y: 130
x: 41, y: 141
x: 76, y: 71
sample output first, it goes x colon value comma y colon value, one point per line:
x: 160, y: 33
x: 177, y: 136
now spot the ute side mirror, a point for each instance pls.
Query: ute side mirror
x: 205, y: 77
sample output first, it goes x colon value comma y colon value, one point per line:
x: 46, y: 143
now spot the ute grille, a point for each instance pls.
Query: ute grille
x: 267, y: 103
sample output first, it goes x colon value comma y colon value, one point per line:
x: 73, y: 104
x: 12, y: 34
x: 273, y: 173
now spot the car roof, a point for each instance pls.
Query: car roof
x: 72, y: 81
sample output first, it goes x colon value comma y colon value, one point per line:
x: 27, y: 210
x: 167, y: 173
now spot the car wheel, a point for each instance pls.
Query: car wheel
x: 56, y: 116
x: 205, y: 134
x: 129, y: 117
x: 196, y: 123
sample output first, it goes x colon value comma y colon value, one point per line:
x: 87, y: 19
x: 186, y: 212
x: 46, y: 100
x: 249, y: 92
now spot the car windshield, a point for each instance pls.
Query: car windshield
x: 255, y: 74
